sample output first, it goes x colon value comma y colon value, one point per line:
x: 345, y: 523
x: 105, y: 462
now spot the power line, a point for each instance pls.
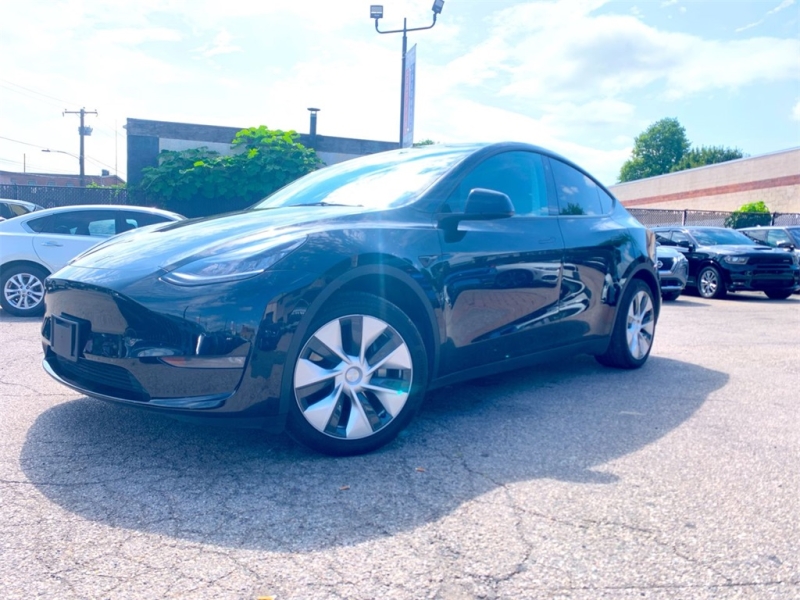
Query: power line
x: 20, y: 142
x: 60, y: 100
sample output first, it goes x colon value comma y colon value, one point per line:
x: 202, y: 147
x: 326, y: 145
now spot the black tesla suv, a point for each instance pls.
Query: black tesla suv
x: 330, y: 307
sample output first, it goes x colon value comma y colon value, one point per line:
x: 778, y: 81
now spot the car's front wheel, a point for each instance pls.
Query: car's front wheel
x: 634, y: 329
x: 710, y: 283
x: 23, y: 290
x: 778, y: 294
x: 358, y: 378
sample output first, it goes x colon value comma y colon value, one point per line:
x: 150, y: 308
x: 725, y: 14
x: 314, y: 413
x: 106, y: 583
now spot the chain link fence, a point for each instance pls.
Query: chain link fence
x: 48, y: 196
x: 653, y: 217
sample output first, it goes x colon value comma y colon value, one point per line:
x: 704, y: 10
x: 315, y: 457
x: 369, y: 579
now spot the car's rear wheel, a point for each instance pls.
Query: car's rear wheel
x: 710, y: 283
x: 358, y: 378
x: 634, y: 329
x: 670, y: 296
x: 778, y: 294
x: 23, y: 290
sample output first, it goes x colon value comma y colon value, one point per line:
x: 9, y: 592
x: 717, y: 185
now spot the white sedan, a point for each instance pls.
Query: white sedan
x: 35, y: 245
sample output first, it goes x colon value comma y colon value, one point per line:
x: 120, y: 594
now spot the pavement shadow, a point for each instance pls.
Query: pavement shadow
x: 239, y: 488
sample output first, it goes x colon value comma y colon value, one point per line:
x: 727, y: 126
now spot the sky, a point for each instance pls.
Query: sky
x: 580, y: 77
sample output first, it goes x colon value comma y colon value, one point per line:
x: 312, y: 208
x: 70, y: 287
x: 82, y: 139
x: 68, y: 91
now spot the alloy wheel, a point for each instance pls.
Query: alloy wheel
x: 709, y: 283
x: 23, y: 291
x: 640, y: 325
x: 353, y: 377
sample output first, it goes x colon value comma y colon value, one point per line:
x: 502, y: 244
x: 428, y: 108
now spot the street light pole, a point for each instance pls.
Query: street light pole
x: 376, y: 12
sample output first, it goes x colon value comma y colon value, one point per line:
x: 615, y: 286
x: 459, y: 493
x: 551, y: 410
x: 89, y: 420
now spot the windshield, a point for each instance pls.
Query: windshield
x: 716, y: 237
x: 383, y: 180
x: 795, y: 233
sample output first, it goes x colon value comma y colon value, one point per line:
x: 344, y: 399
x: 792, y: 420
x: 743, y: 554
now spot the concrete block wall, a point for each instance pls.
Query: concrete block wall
x: 772, y: 178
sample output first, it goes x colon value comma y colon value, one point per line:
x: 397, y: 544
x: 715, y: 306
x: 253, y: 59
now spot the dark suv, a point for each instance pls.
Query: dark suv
x: 723, y: 260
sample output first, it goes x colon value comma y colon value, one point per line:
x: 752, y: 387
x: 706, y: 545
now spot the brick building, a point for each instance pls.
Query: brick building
x: 772, y: 178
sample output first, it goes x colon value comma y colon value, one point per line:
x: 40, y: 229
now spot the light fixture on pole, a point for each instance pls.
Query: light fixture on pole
x: 376, y: 12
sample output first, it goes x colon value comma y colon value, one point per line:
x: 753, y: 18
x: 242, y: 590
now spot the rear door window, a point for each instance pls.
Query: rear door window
x: 577, y: 193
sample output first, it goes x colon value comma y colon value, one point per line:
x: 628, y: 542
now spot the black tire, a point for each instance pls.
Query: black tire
x: 778, y: 294
x: 22, y: 290
x: 634, y: 329
x: 670, y: 296
x: 329, y: 410
x: 710, y: 283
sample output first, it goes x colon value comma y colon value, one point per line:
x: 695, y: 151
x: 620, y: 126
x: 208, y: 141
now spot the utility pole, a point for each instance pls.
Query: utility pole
x: 83, y: 131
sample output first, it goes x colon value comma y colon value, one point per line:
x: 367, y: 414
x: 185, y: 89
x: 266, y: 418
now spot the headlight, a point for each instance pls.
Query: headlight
x: 239, y: 264
x: 735, y: 260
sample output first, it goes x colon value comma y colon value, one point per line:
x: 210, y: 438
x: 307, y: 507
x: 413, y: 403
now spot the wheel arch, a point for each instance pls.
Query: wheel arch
x: 5, y: 267
x: 388, y: 282
x: 651, y: 280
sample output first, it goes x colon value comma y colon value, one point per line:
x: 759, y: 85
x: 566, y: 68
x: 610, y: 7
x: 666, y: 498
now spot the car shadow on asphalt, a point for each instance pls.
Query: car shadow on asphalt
x: 241, y: 488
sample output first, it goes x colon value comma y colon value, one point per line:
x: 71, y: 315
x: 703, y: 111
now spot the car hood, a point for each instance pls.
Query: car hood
x: 169, y: 246
x: 741, y: 250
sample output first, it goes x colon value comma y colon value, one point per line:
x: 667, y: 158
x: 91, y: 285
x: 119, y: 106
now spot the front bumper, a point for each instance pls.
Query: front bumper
x: 210, y: 351
x: 764, y: 279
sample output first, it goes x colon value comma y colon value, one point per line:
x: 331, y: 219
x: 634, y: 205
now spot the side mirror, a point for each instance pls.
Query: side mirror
x: 482, y: 205
x: 488, y: 204
x: 786, y: 245
x: 686, y: 244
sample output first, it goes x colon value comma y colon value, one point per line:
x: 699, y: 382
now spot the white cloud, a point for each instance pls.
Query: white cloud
x: 796, y: 112
x: 220, y: 45
x: 667, y: 3
x: 784, y: 4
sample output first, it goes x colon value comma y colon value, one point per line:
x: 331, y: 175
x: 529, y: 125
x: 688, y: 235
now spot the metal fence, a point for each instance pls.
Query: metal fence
x: 50, y: 196
x: 652, y: 217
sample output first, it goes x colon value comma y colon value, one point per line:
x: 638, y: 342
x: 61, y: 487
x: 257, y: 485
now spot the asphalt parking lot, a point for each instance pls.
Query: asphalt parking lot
x: 680, y: 480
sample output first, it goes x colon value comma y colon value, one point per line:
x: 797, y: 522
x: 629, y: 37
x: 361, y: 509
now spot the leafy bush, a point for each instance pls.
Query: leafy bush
x: 749, y: 215
x: 200, y: 182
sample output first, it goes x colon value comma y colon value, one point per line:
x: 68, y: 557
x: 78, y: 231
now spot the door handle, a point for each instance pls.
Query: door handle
x: 52, y: 244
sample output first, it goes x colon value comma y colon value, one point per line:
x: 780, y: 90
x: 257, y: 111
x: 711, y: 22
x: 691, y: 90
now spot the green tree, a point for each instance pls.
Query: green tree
x: 707, y: 155
x: 656, y: 150
x: 200, y: 182
x: 749, y: 215
x: 425, y: 142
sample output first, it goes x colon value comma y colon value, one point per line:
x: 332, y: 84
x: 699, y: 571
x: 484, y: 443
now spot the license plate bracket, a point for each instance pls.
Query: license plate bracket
x: 66, y: 338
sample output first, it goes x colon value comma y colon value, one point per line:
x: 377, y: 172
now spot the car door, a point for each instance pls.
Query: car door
x: 501, y: 278
x: 594, y: 246
x: 62, y: 236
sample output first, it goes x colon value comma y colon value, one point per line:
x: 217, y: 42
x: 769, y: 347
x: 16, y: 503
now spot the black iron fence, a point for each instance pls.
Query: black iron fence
x: 50, y: 196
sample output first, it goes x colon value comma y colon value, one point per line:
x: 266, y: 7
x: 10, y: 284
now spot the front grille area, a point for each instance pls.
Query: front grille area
x: 768, y: 261
x: 666, y: 263
x: 102, y: 378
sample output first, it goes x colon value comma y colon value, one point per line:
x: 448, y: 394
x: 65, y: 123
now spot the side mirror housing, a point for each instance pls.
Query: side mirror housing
x: 482, y: 205
x: 488, y: 204
x: 686, y: 244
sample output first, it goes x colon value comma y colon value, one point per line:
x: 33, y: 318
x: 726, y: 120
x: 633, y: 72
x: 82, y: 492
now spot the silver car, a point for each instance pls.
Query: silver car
x: 673, y: 269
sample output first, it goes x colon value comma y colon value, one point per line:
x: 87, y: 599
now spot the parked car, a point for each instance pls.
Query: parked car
x: 331, y: 306
x: 777, y: 236
x: 36, y: 244
x: 673, y: 270
x: 13, y: 208
x: 724, y: 260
